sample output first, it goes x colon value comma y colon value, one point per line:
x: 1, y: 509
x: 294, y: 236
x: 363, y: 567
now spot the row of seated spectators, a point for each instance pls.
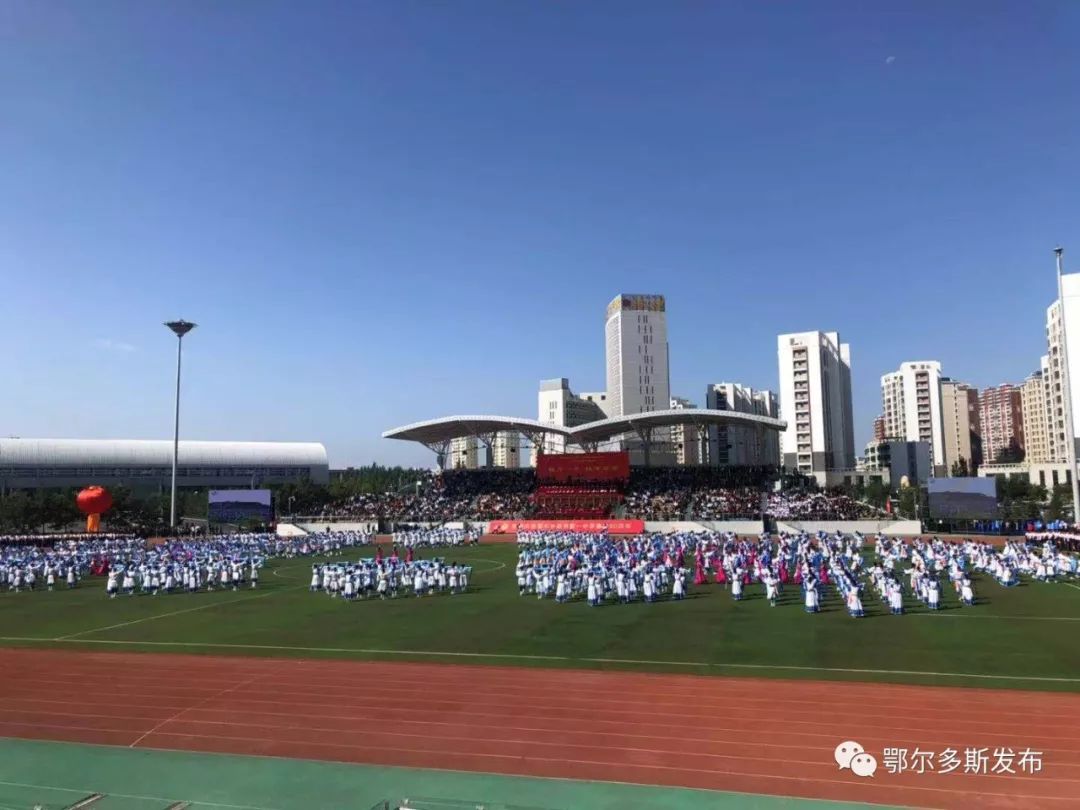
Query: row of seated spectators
x: 815, y: 505
x: 659, y: 493
x: 710, y: 493
x: 577, y: 501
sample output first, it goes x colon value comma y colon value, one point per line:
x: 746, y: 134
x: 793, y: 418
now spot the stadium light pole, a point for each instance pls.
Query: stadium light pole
x: 179, y: 328
x: 1066, y: 394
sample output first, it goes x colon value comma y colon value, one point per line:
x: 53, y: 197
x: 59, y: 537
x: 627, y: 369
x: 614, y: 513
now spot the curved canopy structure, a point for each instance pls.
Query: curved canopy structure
x: 437, y: 434
x: 438, y: 431
x: 606, y: 429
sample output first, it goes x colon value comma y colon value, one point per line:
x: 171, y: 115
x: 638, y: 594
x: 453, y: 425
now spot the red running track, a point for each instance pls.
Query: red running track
x: 741, y: 734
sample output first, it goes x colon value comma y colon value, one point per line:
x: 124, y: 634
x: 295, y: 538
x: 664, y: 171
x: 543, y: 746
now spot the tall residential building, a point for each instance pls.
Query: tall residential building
x: 507, y: 450
x: 879, y: 427
x: 960, y: 424
x: 637, y: 355
x: 730, y: 445
x: 686, y: 439
x: 1048, y: 394
x: 815, y: 399
x: 463, y: 453
x: 1056, y: 372
x: 911, y: 399
x: 1001, y: 420
x: 558, y: 405
x: 1036, y: 417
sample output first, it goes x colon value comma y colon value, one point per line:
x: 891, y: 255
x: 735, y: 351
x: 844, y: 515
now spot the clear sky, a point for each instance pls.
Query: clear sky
x: 386, y: 212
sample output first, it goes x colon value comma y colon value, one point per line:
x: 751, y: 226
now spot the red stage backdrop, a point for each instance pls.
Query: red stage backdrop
x: 562, y: 467
x: 612, y: 526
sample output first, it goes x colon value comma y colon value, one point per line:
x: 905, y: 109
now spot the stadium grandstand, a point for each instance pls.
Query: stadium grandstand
x: 147, y: 464
x: 645, y: 493
x: 582, y: 483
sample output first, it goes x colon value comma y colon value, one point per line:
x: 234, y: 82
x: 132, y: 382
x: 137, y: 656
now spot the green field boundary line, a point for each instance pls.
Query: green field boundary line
x: 559, y: 658
x: 952, y: 615
x: 156, y: 616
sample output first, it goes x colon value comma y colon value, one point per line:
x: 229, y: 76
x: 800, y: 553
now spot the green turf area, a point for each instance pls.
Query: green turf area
x: 1023, y: 637
x: 57, y: 775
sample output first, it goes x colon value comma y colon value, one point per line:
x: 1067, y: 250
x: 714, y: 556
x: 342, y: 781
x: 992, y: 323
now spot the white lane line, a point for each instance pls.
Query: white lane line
x: 498, y: 565
x: 207, y: 606
x: 111, y: 794
x: 199, y: 705
x: 512, y: 656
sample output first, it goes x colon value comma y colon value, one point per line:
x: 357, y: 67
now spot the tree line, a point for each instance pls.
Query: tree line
x: 147, y: 512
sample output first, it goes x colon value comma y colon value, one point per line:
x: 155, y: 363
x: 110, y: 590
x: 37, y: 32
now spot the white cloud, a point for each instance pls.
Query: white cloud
x: 114, y: 345
x: 889, y: 60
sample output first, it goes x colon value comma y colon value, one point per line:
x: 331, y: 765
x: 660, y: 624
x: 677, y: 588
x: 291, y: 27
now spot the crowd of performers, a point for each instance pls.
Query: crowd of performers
x: 63, y: 563
x: 598, y: 569
x: 439, y: 537
x: 132, y: 565
x: 387, y: 576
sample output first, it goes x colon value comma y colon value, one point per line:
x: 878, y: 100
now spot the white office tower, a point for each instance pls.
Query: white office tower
x: 687, y: 440
x: 507, y: 450
x: 637, y: 355
x: 600, y: 398
x: 463, y: 453
x: 733, y: 445
x: 1070, y: 285
x: 911, y: 405
x: 815, y: 401
x: 558, y: 405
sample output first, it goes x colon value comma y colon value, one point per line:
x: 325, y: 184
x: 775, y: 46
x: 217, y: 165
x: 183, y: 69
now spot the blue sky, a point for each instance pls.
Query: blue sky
x: 385, y: 212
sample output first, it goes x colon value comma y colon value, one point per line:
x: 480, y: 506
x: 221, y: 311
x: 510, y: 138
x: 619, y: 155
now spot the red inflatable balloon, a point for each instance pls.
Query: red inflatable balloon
x: 93, y: 500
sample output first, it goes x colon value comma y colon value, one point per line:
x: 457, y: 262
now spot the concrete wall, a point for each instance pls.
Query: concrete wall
x: 895, y: 527
x: 741, y: 527
x: 338, y: 526
x: 751, y: 527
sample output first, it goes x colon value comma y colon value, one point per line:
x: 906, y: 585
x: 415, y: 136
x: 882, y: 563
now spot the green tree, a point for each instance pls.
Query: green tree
x: 16, y: 513
x: 875, y: 492
x: 1060, y: 505
x: 302, y: 498
x: 375, y: 479
x: 960, y: 469
x: 912, y: 503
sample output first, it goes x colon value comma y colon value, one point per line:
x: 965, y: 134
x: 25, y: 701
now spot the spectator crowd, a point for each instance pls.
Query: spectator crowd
x: 658, y: 493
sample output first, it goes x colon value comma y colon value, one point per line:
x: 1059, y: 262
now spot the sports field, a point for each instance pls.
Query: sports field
x: 487, y: 698
x: 1022, y: 637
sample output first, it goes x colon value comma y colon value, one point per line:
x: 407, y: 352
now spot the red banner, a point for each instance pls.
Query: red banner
x: 575, y: 467
x: 611, y: 526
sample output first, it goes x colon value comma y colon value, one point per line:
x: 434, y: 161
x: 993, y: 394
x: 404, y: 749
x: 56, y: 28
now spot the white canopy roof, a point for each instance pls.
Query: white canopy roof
x: 437, y: 431
x: 156, y: 453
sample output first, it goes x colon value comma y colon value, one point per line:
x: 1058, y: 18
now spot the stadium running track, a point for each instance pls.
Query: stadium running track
x: 735, y: 734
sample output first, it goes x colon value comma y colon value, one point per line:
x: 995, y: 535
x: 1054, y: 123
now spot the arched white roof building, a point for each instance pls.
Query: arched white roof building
x: 37, y: 463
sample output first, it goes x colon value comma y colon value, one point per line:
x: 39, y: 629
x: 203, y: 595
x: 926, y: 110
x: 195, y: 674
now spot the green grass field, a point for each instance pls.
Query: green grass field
x: 1021, y: 638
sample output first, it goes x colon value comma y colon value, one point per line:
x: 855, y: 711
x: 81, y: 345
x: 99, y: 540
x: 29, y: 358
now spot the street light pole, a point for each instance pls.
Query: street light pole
x: 1066, y: 394
x: 179, y: 328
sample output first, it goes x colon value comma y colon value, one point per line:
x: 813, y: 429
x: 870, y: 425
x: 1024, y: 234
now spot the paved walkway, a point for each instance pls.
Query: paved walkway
x: 56, y: 776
